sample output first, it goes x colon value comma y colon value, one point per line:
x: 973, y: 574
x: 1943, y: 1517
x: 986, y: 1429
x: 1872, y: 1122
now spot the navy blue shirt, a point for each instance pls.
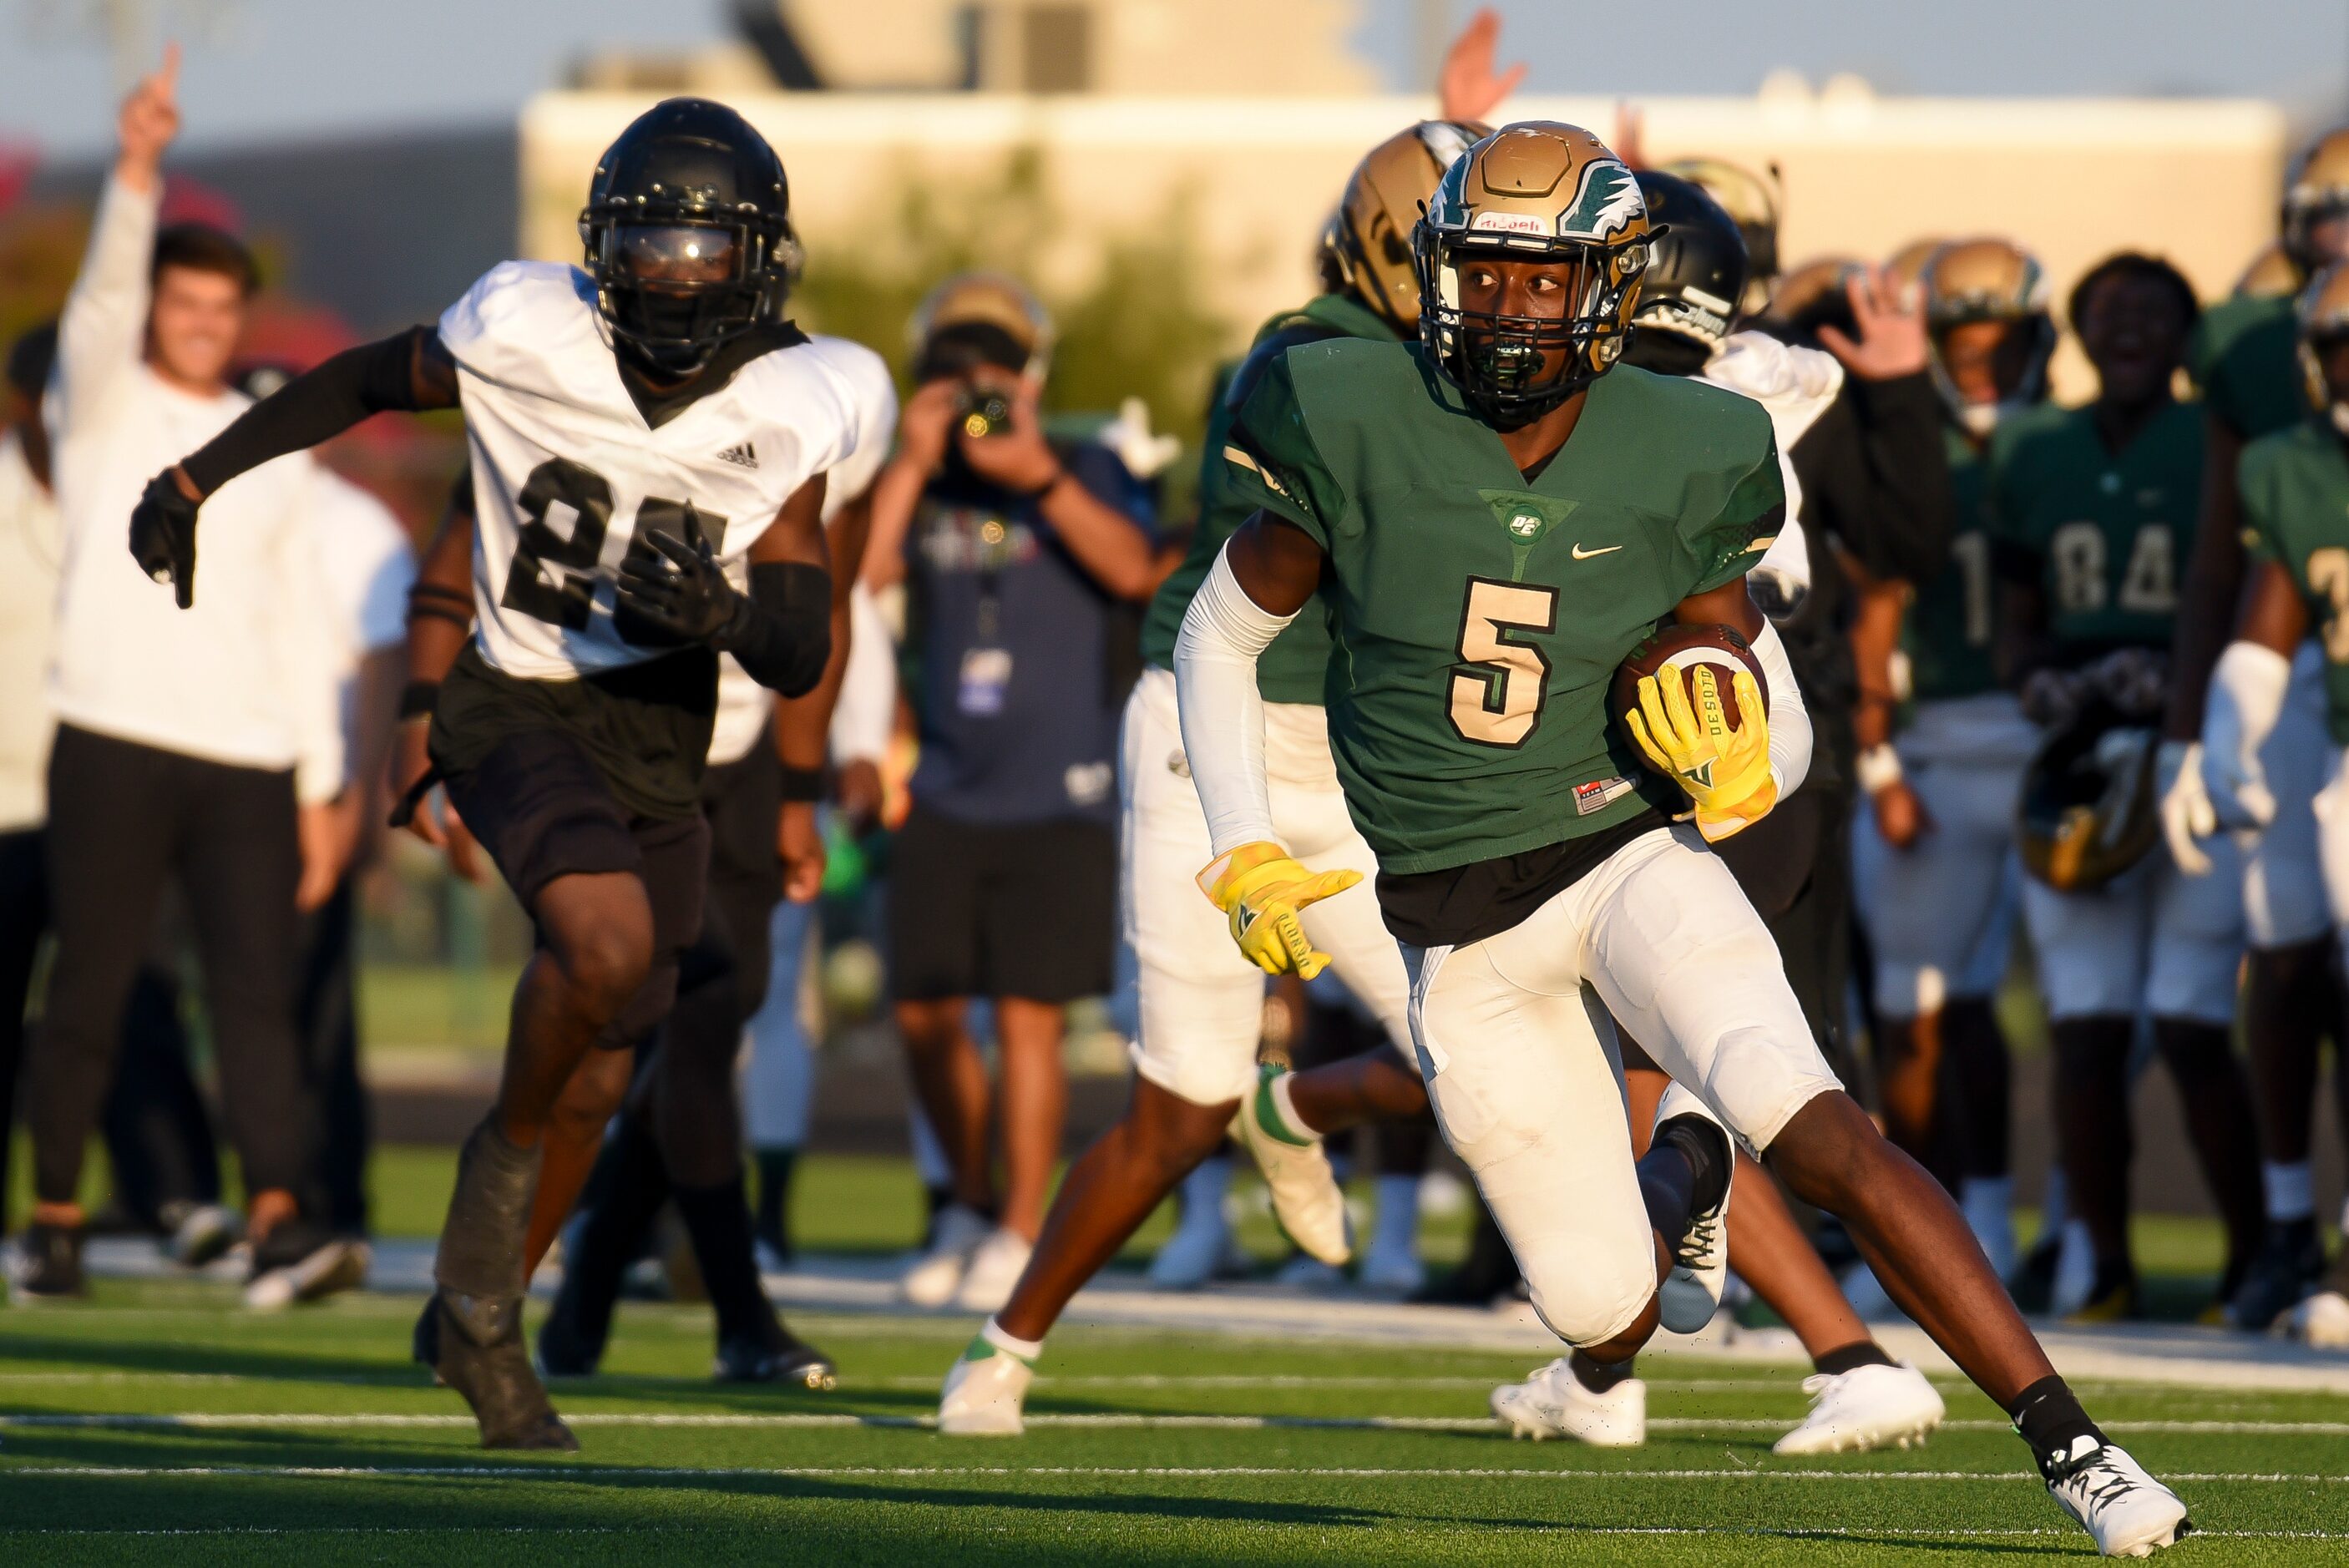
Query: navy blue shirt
x: 1023, y: 660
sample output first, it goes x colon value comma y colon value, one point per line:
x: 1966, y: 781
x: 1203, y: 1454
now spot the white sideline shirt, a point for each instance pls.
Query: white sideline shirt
x: 246, y: 678
x: 29, y: 548
x: 368, y: 565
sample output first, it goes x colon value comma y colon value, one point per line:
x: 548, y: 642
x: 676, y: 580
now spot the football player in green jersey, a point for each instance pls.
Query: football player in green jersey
x: 2087, y: 509
x: 2294, y: 491
x: 1937, y: 885
x: 2244, y: 358
x: 1202, y: 1005
x: 1496, y: 519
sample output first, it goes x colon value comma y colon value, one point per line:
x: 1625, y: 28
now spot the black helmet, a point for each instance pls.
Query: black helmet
x: 2087, y: 811
x: 689, y: 232
x: 1696, y: 276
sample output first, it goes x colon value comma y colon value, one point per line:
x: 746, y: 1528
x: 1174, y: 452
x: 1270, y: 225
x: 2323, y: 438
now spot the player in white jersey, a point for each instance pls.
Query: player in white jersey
x: 678, y: 1137
x: 649, y: 439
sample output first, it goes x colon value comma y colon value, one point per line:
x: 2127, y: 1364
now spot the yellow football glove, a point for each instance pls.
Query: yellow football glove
x: 1262, y: 889
x: 1725, y: 772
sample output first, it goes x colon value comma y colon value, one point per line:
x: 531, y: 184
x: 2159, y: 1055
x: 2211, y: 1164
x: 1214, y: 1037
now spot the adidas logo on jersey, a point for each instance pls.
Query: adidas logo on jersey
x: 741, y: 455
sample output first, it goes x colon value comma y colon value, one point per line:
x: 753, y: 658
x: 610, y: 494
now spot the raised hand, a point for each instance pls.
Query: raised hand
x: 1891, y: 330
x: 149, y: 120
x: 1466, y: 87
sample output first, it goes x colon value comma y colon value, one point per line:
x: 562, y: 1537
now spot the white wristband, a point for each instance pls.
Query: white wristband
x: 1878, y: 768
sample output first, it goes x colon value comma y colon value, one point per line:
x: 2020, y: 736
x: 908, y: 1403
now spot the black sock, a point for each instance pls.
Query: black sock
x: 718, y: 1221
x: 2050, y: 1421
x: 774, y: 1222
x: 1846, y: 1358
x: 1599, y: 1377
x: 1685, y: 1169
x: 631, y: 1183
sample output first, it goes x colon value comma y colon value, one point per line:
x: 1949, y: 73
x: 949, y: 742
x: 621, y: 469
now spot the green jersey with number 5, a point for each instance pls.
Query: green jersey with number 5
x: 1947, y: 635
x: 2099, y: 535
x: 1480, y: 614
x: 2295, y: 490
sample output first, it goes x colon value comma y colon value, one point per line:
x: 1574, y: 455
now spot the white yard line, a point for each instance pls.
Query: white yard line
x: 242, y: 1420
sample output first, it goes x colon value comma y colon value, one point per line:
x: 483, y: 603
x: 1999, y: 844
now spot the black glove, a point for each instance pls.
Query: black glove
x: 163, y: 536
x: 682, y: 590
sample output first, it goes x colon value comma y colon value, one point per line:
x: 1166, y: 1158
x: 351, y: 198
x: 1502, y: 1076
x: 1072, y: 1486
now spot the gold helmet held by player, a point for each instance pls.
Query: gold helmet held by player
x: 1368, y: 242
x: 1810, y: 296
x: 1752, y: 202
x: 2316, y: 203
x: 1970, y: 281
x: 2323, y: 312
x: 1550, y: 194
x: 1904, y: 269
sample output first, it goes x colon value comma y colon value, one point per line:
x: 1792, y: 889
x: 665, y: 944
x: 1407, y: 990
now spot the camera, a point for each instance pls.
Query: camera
x: 982, y: 412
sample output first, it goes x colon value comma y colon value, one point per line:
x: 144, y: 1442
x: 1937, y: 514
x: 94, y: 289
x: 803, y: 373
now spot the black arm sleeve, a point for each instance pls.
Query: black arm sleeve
x: 1905, y: 469
x: 781, y: 634
x: 408, y: 373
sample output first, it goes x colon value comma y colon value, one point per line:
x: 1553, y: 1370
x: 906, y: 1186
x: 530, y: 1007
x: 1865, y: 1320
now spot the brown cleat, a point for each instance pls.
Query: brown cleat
x: 476, y: 1348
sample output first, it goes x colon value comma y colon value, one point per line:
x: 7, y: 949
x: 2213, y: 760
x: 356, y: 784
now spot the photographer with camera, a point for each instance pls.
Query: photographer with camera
x: 1022, y: 557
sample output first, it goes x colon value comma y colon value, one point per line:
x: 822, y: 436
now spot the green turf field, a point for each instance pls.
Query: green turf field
x: 162, y: 1425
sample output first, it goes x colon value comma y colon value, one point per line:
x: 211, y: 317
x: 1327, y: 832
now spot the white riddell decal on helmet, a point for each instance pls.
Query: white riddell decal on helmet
x: 1606, y: 203
x: 1509, y: 222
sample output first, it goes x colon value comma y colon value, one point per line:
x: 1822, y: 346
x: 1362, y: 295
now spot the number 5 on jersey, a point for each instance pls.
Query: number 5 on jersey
x: 1496, y: 697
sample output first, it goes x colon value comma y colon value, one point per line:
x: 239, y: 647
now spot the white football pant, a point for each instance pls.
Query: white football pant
x: 1202, y: 1004
x: 1515, y: 1042
x: 1940, y: 913
x: 2284, y: 888
x: 2152, y: 940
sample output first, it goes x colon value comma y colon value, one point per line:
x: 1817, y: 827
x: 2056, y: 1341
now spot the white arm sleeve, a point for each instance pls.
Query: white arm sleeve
x: 866, y: 712
x: 1222, y: 711
x: 1790, y: 721
x: 2248, y: 687
x: 104, y: 326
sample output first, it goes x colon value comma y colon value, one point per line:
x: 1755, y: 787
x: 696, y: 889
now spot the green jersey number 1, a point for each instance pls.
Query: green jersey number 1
x: 1496, y: 699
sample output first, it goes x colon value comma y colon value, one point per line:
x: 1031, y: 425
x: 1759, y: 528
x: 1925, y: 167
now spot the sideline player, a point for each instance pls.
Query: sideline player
x: 2294, y: 497
x: 2242, y: 356
x: 1499, y: 522
x: 2086, y: 509
x: 570, y: 734
x: 1202, y: 1006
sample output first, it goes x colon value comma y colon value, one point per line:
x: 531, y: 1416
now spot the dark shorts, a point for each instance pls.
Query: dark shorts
x: 979, y: 910
x: 541, y: 808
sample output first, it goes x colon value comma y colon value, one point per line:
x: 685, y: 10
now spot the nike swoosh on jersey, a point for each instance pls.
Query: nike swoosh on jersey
x: 1582, y: 554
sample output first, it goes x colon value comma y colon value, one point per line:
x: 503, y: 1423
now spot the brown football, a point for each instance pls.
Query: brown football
x: 1682, y: 648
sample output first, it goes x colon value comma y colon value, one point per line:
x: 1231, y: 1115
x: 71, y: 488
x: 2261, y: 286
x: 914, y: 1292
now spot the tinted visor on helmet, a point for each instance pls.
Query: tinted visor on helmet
x: 679, y: 290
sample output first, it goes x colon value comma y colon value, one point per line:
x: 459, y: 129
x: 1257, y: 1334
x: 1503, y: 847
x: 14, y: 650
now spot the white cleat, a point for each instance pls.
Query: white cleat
x: 1306, y: 1198
x: 1691, y: 1293
x: 1553, y: 1403
x: 932, y: 1279
x: 996, y: 1266
x: 1866, y: 1407
x: 2323, y: 1320
x: 984, y: 1393
x: 2124, y: 1510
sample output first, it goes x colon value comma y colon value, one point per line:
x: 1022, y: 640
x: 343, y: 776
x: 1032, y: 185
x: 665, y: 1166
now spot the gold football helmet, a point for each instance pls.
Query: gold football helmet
x: 1808, y: 297
x: 1368, y: 242
x: 1534, y: 191
x: 2273, y: 274
x: 2316, y: 203
x: 1753, y: 203
x: 2323, y: 312
x: 1969, y: 281
x: 1905, y: 266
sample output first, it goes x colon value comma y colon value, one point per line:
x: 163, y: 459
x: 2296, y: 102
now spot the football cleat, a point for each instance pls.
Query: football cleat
x: 772, y: 1355
x: 475, y: 1347
x: 1691, y: 1293
x: 48, y: 1264
x: 1866, y: 1407
x: 1553, y: 1403
x: 1306, y: 1198
x: 200, y: 1233
x: 2110, y: 1299
x: 2323, y: 1320
x: 996, y: 1266
x: 984, y: 1393
x: 291, y: 1272
x: 935, y: 1276
x: 2124, y: 1510
x: 2290, y: 1259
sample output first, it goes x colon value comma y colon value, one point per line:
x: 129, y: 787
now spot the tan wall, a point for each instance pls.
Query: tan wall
x: 2193, y: 179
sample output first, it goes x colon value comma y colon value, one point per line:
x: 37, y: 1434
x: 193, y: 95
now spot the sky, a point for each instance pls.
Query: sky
x: 265, y: 70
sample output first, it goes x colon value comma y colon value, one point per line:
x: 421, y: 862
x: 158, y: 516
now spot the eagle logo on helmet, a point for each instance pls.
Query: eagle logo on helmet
x: 1608, y: 203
